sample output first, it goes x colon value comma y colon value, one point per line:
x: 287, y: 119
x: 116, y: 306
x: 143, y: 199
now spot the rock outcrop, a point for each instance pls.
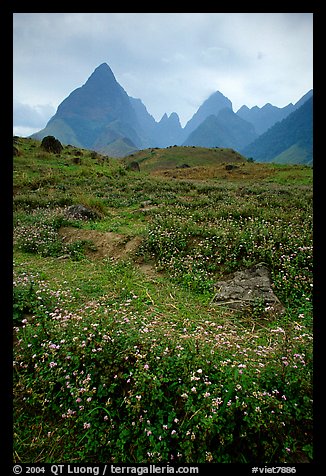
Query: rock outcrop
x: 247, y: 287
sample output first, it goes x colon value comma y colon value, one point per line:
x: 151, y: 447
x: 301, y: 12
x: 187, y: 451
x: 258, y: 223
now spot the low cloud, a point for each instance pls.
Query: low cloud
x: 172, y: 61
x: 29, y: 119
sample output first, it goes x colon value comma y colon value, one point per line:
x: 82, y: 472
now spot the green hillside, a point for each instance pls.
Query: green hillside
x: 122, y: 351
x: 177, y: 156
x: 295, y: 154
x: 117, y: 148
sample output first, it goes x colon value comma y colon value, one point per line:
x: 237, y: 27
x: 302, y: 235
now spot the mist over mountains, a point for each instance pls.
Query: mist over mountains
x: 101, y: 116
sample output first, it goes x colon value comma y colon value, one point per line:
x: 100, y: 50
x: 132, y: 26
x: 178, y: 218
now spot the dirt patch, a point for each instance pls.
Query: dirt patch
x: 107, y: 244
x: 149, y: 270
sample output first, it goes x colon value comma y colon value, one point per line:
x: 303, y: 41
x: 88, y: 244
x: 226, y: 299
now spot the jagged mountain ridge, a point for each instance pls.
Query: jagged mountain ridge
x: 265, y: 117
x: 287, y: 141
x: 101, y: 116
x: 225, y: 129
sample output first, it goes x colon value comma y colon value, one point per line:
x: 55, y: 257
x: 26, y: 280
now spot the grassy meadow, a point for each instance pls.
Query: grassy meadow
x: 120, y: 353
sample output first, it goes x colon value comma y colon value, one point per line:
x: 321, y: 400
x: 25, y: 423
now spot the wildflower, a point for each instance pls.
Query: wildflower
x: 138, y: 397
x: 194, y: 390
x: 53, y: 364
x: 54, y: 346
x: 278, y: 329
x: 173, y: 432
x: 146, y: 366
x: 86, y: 426
x: 209, y: 456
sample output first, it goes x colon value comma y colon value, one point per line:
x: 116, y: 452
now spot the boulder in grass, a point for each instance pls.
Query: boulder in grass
x: 246, y: 287
x: 79, y: 212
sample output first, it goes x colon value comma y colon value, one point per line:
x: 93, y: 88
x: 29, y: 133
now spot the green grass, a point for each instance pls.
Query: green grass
x: 176, y: 156
x: 125, y: 358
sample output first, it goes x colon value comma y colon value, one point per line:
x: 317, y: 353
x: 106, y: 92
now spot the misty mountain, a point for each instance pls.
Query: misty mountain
x: 96, y: 115
x: 211, y: 106
x: 101, y: 116
x: 265, y: 117
x: 168, y: 131
x: 226, y: 129
x: 287, y: 141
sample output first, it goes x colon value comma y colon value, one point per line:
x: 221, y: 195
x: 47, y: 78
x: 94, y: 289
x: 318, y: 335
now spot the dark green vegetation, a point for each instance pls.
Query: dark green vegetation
x: 120, y: 354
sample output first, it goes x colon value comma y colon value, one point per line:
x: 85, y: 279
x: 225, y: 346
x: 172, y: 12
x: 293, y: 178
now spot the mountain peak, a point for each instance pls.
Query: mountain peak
x: 211, y: 106
x: 102, y: 73
x: 164, y: 118
x: 217, y: 101
x: 103, y: 66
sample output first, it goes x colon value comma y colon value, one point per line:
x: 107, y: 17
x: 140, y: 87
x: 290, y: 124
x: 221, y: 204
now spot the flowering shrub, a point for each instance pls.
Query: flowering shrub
x: 38, y: 233
x: 195, y: 247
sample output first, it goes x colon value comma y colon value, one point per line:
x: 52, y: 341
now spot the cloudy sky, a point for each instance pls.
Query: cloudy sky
x: 171, y: 61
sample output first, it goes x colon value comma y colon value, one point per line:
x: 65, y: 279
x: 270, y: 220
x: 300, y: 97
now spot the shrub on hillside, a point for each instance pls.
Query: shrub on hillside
x: 51, y: 144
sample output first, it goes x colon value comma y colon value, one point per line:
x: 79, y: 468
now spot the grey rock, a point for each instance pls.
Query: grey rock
x: 246, y: 287
x: 80, y: 212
